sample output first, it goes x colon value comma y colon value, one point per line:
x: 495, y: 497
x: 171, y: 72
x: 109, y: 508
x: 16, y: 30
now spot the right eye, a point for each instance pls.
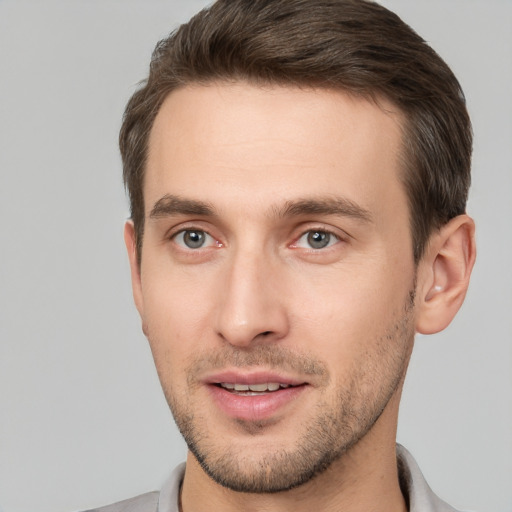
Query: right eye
x: 317, y: 239
x: 194, y: 239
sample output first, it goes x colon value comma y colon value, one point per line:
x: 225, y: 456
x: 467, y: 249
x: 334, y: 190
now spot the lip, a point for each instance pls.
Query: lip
x: 254, y: 408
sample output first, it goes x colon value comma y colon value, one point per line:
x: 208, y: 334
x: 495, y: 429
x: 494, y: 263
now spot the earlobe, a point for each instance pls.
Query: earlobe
x: 131, y: 247
x: 444, y: 274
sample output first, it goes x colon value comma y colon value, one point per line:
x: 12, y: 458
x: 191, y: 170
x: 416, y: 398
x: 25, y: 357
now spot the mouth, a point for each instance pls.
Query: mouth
x: 253, y: 389
x: 255, y: 396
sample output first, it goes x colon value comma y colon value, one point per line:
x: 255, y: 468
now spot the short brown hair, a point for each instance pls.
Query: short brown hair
x: 356, y: 46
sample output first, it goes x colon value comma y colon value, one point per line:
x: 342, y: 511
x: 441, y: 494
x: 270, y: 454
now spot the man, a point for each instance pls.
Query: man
x: 298, y: 173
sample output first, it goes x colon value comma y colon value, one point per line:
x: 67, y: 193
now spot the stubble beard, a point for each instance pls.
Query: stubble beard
x: 333, y: 431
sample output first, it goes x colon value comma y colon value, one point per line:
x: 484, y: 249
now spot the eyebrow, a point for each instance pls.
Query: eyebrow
x: 325, y: 206
x: 171, y: 205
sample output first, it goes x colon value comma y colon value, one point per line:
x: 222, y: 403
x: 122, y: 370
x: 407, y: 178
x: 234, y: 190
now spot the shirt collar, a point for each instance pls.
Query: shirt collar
x: 170, y: 493
x: 416, y: 490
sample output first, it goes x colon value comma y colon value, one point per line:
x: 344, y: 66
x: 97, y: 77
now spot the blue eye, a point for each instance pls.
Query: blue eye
x: 193, y: 239
x: 316, y: 239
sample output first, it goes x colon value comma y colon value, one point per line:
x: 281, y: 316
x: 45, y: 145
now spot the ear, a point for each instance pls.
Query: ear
x: 444, y: 273
x: 131, y: 247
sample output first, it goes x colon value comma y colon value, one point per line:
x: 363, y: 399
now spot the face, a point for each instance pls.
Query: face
x: 276, y: 284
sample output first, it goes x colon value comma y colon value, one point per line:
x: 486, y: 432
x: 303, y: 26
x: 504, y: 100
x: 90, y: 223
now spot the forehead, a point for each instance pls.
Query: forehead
x: 222, y: 142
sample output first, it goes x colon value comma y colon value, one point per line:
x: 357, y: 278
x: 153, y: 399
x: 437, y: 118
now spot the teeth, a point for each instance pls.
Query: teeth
x: 259, y: 387
x: 268, y: 386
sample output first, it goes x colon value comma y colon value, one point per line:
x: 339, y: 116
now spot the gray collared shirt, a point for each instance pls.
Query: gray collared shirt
x: 419, y: 495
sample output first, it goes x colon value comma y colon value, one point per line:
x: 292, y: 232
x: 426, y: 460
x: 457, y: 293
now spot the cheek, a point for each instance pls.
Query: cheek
x: 347, y: 311
x: 176, y: 317
x: 174, y: 297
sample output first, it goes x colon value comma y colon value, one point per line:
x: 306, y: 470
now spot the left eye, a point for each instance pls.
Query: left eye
x: 193, y: 239
x: 316, y: 239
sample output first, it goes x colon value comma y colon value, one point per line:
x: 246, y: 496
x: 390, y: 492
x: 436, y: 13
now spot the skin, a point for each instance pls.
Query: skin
x: 256, y: 172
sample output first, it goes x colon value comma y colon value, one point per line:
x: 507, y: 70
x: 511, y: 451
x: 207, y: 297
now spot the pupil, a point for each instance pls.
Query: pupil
x: 318, y: 239
x: 194, y: 239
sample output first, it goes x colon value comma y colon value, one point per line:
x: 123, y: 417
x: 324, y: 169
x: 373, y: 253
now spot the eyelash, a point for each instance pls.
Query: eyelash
x: 332, y: 239
x: 183, y: 232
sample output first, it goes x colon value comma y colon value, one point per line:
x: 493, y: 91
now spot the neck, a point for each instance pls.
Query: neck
x: 364, y: 478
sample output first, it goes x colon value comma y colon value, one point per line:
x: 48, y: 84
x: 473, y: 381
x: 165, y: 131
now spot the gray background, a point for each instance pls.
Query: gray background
x: 82, y: 419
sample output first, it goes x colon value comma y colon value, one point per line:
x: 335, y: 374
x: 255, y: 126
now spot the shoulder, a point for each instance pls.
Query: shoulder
x: 144, y: 503
x: 164, y: 501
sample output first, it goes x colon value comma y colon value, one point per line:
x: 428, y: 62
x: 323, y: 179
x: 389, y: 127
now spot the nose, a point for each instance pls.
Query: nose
x: 251, y: 305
